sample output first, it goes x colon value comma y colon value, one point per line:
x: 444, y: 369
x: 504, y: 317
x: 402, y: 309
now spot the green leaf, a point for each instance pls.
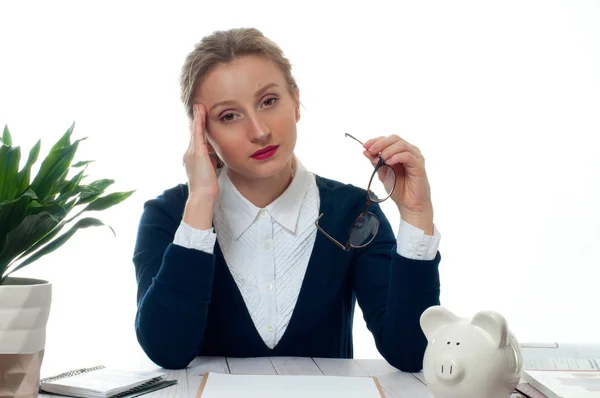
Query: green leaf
x: 102, y: 184
x: 6, y: 138
x: 58, y: 187
x: 93, y: 191
x: 104, y: 203
x: 27, y: 233
x: 35, y: 203
x: 46, y: 238
x: 58, y: 184
x: 24, y: 174
x: 87, y: 193
x: 71, y: 184
x: 84, y: 163
x: 75, y: 193
x: 57, y: 210
x: 12, y: 214
x: 65, y: 140
x: 53, y: 168
x: 108, y: 201
x: 58, y: 242
x: 9, y: 168
x: 96, y: 189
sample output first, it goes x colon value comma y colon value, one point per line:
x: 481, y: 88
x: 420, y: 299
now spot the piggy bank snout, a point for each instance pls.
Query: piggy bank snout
x: 449, y: 370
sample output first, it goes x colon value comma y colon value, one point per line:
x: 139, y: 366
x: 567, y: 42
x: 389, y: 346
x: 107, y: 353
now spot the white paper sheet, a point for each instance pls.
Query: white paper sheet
x: 562, y: 364
x: 565, y: 384
x: 220, y: 385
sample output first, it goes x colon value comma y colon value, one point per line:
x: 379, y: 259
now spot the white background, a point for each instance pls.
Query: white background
x: 503, y: 98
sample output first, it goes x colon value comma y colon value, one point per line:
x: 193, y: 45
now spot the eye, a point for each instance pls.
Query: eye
x: 227, y: 117
x: 448, y: 343
x: 270, y: 101
x: 457, y: 343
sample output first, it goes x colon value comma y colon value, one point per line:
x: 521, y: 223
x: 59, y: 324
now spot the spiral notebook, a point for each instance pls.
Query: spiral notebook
x: 102, y: 382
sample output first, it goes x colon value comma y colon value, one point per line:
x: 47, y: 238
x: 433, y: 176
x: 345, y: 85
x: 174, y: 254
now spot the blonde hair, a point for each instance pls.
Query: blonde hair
x: 223, y: 47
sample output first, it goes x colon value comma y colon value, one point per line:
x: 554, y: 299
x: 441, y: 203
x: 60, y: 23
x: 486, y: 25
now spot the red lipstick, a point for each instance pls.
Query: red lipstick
x: 265, y: 152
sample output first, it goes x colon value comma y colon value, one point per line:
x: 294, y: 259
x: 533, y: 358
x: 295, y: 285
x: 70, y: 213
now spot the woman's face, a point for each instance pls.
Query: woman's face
x: 250, y: 109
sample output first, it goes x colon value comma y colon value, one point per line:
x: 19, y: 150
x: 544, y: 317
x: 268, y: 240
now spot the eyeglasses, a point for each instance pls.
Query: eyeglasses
x: 366, y: 225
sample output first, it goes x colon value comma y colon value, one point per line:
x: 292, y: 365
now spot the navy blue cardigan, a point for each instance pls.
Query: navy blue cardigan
x: 189, y: 304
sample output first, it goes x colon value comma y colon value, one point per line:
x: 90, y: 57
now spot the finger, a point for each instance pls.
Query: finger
x: 380, y: 144
x: 410, y: 162
x: 199, y: 123
x: 372, y: 158
x: 398, y: 147
x: 190, y: 147
x: 371, y: 141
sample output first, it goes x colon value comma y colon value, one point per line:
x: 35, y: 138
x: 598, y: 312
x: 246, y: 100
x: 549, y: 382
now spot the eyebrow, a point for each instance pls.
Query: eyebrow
x: 257, y: 94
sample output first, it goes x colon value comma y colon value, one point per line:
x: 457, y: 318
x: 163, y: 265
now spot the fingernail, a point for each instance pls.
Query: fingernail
x: 373, y: 149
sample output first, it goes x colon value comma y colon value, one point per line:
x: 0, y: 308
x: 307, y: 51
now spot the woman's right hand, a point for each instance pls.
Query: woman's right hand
x: 201, y: 172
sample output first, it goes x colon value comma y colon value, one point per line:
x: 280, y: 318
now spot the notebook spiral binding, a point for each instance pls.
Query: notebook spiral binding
x: 70, y: 374
x: 138, y: 388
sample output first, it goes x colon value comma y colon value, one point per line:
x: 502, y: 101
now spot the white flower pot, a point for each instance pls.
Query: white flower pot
x: 24, y: 311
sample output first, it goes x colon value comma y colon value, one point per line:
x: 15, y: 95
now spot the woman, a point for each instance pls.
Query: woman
x: 245, y: 260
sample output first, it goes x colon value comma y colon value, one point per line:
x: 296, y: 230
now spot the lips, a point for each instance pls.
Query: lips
x: 265, y: 152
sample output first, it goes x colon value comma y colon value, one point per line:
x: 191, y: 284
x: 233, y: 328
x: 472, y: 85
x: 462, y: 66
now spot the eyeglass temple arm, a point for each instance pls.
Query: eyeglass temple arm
x: 360, y: 142
x: 329, y: 236
x: 354, y: 138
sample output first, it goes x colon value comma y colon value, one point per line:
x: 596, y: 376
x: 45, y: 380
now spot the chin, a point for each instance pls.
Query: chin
x: 270, y: 167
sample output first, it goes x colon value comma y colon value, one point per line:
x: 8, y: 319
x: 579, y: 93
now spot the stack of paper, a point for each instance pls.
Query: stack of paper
x: 562, y: 364
x: 565, y: 384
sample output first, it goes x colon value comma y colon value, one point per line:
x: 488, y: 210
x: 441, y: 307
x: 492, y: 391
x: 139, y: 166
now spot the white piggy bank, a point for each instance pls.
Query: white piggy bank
x: 469, y: 358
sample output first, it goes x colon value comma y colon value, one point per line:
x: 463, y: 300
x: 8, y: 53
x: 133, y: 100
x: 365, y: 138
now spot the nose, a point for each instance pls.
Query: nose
x: 258, y: 130
x: 448, y: 370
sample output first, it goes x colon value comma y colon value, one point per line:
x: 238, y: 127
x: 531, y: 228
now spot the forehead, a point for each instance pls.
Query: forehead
x: 238, y: 79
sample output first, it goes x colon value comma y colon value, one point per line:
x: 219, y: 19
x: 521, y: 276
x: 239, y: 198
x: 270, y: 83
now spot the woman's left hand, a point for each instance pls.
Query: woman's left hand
x: 412, y: 193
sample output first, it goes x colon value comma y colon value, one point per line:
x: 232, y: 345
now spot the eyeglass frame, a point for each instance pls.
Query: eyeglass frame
x: 365, y: 212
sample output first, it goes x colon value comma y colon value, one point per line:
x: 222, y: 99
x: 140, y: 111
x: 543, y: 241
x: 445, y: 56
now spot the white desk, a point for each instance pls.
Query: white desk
x: 395, y: 384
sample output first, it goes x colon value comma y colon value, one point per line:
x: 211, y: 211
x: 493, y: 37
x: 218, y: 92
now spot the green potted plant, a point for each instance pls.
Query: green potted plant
x: 37, y: 216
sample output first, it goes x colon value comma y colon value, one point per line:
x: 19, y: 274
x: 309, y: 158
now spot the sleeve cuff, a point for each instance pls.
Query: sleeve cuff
x: 412, y: 242
x: 191, y: 238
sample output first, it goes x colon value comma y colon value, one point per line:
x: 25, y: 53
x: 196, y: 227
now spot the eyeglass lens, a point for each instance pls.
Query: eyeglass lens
x: 364, y: 230
x: 377, y: 192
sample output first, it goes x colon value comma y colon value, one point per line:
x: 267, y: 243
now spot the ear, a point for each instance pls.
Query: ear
x: 434, y: 318
x: 209, y: 147
x: 494, y: 324
x: 297, y: 95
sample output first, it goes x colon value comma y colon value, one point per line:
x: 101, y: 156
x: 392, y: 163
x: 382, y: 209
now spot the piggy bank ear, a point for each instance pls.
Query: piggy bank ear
x: 494, y: 324
x: 435, y: 317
